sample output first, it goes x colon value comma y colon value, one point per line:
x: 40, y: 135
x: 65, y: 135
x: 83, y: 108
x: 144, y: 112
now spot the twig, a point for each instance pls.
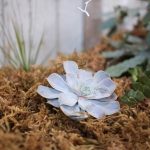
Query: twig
x: 85, y: 9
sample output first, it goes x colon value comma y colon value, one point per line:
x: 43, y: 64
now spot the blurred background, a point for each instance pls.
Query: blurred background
x: 55, y: 25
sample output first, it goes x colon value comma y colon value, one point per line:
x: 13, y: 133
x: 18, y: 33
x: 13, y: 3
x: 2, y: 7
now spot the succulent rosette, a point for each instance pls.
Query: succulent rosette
x: 80, y: 93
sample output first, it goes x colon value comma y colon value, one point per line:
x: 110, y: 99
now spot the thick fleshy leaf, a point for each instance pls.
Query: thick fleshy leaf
x: 69, y: 99
x: 70, y: 67
x: 113, y: 97
x: 64, y: 77
x: 71, y: 80
x: 91, y: 108
x: 84, y: 75
x: 82, y: 116
x: 74, y: 112
x: 100, y: 75
x: 53, y: 102
x: 110, y: 107
x: 105, y: 88
x: 120, y: 68
x: 73, y: 83
x: 97, y: 108
x: 47, y: 92
x: 108, y: 84
x: 99, y: 93
x: 57, y: 82
x: 95, y: 111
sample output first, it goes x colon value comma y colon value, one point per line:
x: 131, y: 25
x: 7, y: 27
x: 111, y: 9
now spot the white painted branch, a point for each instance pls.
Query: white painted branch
x: 85, y: 8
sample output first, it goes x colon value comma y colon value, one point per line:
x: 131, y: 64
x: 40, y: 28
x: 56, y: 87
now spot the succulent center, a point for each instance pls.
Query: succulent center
x: 86, y: 90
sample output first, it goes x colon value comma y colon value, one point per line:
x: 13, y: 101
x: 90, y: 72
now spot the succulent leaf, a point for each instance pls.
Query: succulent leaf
x: 119, y: 69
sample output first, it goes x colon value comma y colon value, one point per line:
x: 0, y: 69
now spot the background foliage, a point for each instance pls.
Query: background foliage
x: 131, y: 50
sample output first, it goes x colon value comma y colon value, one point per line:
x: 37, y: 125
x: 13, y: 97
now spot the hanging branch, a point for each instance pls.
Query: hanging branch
x: 85, y: 9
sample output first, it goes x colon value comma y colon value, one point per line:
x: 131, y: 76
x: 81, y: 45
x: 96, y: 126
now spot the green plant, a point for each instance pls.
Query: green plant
x: 112, y: 23
x: 132, y: 50
x: 140, y: 88
x: 16, y: 51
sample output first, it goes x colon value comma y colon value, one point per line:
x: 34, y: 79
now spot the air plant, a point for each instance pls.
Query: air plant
x: 17, y: 53
x: 81, y: 93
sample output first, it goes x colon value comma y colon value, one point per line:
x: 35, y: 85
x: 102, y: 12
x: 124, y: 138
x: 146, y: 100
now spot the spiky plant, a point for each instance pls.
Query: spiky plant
x: 17, y: 54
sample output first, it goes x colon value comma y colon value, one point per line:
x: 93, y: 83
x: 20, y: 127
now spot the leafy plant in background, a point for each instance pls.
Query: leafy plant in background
x: 132, y: 50
x: 140, y: 89
x: 112, y: 23
x: 17, y: 53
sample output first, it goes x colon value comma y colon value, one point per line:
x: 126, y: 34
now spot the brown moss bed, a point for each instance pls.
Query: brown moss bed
x: 27, y: 122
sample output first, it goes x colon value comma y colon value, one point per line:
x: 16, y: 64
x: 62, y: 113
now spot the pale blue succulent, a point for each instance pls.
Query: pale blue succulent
x: 81, y: 93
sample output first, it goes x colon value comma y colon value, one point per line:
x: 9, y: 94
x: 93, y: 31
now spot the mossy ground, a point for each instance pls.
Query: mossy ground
x: 28, y: 123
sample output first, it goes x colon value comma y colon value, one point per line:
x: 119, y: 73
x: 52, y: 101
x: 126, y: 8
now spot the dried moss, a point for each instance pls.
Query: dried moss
x: 28, y: 123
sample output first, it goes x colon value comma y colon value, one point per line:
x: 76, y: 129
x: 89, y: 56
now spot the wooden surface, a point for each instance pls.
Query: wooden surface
x: 60, y: 20
x: 70, y: 26
x: 34, y: 17
x: 92, y: 24
x: 65, y: 28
